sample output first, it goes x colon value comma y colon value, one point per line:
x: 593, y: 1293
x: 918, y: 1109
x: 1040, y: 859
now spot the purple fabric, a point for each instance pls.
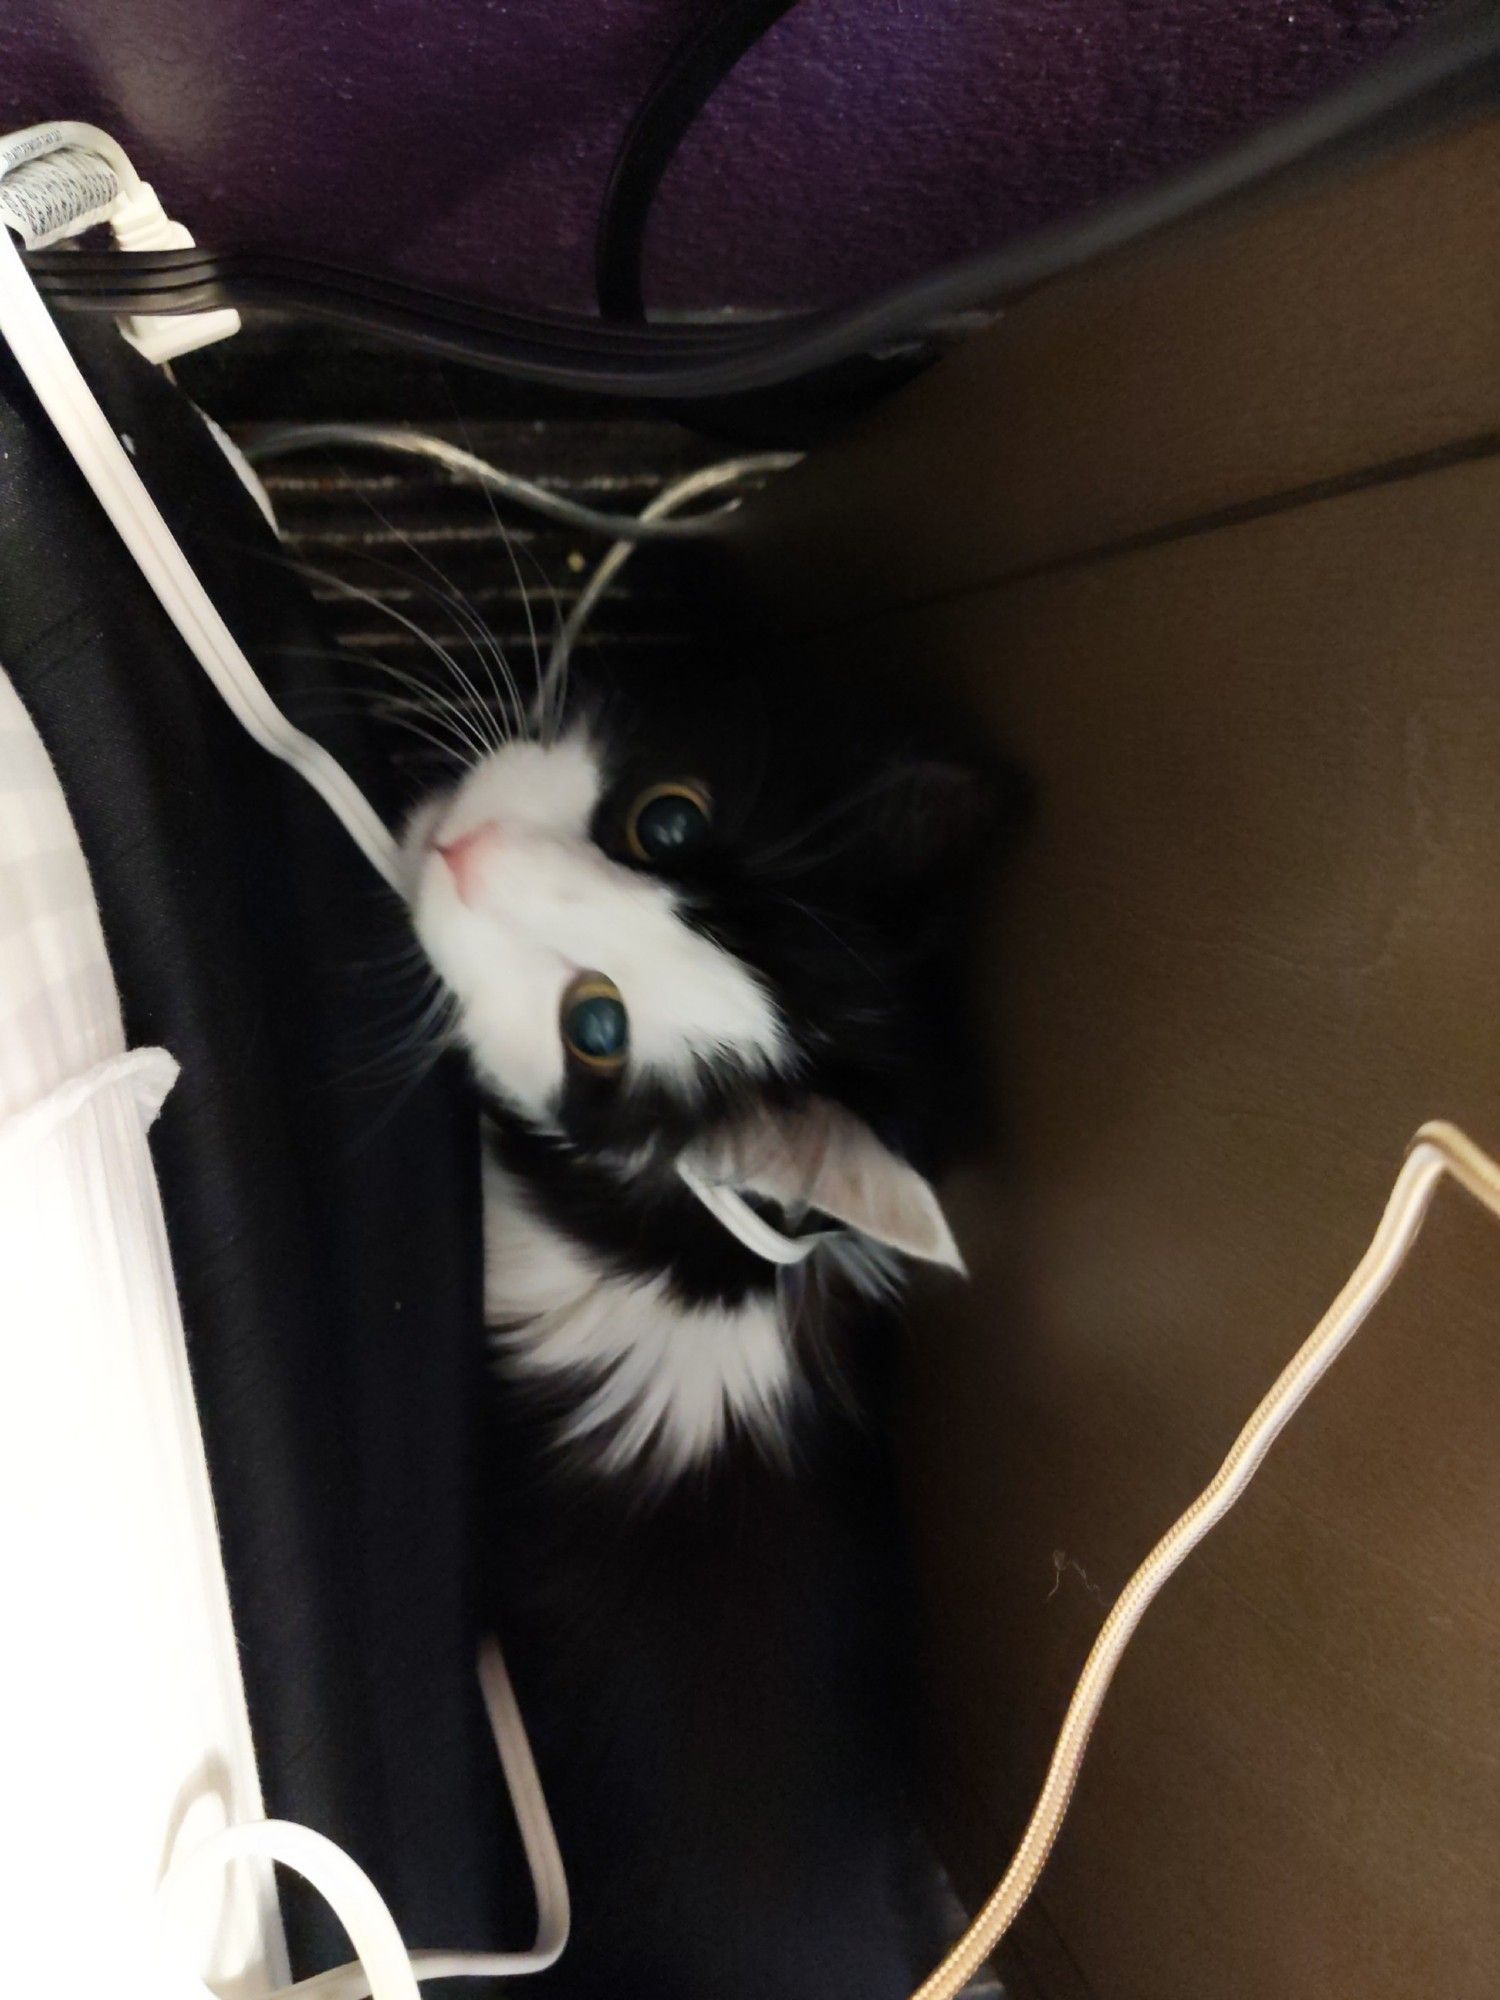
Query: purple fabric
x: 466, y: 142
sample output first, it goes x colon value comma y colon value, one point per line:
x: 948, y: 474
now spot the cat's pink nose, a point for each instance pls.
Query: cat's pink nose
x: 462, y: 855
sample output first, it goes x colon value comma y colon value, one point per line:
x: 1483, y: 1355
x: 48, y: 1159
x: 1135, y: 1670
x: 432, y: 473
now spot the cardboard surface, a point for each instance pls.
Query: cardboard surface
x: 1344, y: 329
x: 1251, y: 941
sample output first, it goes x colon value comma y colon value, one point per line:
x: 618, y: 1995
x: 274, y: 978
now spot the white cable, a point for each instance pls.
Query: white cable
x: 708, y: 479
x: 39, y: 348
x: 1437, y: 1149
x: 382, y: 1968
x: 548, y: 1880
x: 284, y: 439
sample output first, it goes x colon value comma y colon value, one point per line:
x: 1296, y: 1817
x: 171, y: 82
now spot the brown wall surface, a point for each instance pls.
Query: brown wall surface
x: 1212, y: 540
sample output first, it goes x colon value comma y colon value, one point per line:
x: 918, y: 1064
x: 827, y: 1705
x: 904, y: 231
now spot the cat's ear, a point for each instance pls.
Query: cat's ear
x: 821, y: 1156
x: 933, y: 814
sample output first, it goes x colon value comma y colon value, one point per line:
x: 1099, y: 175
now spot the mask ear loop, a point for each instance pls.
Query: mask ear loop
x: 741, y: 1220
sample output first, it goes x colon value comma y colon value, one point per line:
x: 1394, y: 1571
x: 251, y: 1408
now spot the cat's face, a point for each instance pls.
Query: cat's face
x: 572, y: 933
x: 690, y: 899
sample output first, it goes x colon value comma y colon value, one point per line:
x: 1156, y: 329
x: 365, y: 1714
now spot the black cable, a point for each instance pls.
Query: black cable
x: 1451, y: 68
x: 692, y: 73
x: 196, y: 279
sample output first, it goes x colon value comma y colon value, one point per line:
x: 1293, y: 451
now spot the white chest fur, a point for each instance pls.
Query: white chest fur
x: 652, y: 1381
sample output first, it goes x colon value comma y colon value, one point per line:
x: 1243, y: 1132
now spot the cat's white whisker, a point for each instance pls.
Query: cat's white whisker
x: 397, y: 712
x: 351, y: 591
x: 437, y: 705
x: 795, y: 844
x: 806, y: 910
x: 416, y: 1047
x: 509, y: 546
x: 438, y: 711
x: 486, y: 647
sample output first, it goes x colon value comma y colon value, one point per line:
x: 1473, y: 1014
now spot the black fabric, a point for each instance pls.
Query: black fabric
x: 324, y: 1229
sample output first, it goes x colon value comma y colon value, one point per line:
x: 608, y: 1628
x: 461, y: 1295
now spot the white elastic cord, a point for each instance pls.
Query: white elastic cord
x: 383, y: 1968
x: 741, y: 1220
x: 27, y: 327
x: 1437, y: 1149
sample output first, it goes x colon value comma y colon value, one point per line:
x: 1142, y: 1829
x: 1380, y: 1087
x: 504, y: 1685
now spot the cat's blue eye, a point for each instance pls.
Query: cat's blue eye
x: 595, y: 1025
x: 669, y: 820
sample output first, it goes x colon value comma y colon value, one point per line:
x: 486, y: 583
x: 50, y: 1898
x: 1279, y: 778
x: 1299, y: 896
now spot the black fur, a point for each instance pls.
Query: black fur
x: 642, y: 1225
x: 717, y: 1679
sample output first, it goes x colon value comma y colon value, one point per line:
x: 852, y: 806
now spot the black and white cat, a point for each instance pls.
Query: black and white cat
x: 689, y: 928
